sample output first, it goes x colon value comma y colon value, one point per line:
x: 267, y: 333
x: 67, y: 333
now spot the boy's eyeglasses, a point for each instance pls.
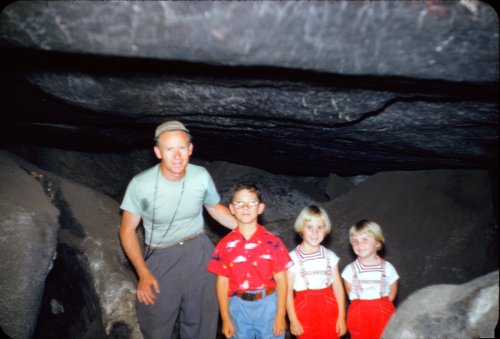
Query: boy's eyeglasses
x: 241, y: 204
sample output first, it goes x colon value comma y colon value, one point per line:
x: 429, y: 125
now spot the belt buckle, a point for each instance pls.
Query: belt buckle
x: 251, y: 296
x: 248, y: 296
x: 192, y: 236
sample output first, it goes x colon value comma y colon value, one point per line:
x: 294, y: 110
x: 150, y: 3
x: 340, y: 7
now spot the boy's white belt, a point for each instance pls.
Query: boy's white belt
x: 179, y: 242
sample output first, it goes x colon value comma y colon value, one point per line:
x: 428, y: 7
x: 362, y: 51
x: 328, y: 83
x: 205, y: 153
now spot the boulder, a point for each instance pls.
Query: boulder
x: 91, y: 267
x: 467, y: 310
x: 440, y: 226
x: 28, y: 240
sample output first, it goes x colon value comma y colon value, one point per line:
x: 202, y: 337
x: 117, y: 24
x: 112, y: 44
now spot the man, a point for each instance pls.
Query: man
x: 173, y: 276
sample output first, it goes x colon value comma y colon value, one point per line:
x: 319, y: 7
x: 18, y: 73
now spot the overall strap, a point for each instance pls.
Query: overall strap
x: 302, y: 269
x: 328, y: 263
x: 356, y: 285
x: 383, y: 279
x: 328, y: 268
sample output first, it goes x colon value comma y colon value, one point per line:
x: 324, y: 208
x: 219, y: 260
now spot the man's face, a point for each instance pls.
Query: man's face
x: 174, y: 150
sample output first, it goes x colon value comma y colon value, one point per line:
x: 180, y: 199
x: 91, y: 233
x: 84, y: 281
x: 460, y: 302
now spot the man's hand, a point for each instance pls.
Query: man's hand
x: 147, y: 289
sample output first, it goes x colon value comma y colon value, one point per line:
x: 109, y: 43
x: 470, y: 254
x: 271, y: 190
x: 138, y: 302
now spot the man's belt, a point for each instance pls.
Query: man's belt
x: 180, y: 242
x: 254, y: 296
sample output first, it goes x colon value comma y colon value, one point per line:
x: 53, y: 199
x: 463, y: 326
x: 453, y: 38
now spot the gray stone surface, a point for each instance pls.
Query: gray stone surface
x: 106, y: 172
x: 86, y: 234
x: 440, y: 40
x: 469, y: 310
x: 440, y: 226
x: 101, y: 257
x: 28, y: 239
x: 302, y: 88
x: 337, y: 186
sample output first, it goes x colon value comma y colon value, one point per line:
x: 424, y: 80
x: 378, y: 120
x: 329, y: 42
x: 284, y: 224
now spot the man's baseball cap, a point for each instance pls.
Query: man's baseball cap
x: 172, y: 125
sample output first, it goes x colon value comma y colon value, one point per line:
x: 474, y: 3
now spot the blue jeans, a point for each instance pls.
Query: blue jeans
x: 254, y: 319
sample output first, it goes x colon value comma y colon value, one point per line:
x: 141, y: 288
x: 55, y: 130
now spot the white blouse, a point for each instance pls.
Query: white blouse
x: 369, y: 281
x: 312, y: 270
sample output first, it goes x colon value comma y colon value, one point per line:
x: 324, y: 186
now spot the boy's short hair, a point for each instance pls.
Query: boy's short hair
x: 310, y: 212
x: 367, y: 226
x: 247, y: 185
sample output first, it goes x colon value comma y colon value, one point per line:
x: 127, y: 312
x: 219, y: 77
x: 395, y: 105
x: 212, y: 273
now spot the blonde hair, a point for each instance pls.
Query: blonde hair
x: 367, y: 226
x: 309, y: 212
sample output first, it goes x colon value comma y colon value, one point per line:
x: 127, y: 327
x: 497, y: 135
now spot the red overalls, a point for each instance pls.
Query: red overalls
x: 317, y: 310
x: 366, y: 319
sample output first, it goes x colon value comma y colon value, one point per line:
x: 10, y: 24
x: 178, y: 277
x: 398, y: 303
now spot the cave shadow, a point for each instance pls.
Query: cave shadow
x: 69, y: 307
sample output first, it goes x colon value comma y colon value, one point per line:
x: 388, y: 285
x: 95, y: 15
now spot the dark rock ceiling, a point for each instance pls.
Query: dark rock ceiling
x: 305, y: 88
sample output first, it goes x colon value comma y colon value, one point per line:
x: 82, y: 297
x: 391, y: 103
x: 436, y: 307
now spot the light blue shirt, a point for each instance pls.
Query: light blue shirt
x: 176, y: 207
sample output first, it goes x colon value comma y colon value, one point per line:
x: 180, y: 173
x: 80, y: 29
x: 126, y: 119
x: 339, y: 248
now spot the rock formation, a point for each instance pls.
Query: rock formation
x: 85, y: 239
x: 468, y: 310
x: 374, y: 109
x: 304, y: 88
x: 28, y: 240
x: 440, y: 228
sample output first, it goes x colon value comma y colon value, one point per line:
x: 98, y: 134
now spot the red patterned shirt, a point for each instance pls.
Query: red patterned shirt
x: 249, y: 264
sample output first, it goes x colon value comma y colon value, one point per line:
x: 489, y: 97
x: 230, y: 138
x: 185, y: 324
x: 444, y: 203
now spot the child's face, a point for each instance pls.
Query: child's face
x: 246, y: 207
x: 313, y: 233
x: 365, y: 245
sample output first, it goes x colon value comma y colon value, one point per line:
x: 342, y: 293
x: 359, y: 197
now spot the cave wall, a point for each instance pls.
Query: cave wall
x: 355, y: 87
x: 440, y: 226
x: 387, y: 110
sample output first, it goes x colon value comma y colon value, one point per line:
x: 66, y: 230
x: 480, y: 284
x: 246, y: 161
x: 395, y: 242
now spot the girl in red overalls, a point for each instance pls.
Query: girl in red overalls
x: 318, y: 309
x: 370, y: 282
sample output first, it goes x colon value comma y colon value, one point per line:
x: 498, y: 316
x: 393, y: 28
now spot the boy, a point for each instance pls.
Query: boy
x: 250, y: 263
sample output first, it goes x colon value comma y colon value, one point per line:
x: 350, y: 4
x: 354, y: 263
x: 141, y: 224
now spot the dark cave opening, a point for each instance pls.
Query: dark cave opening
x: 69, y: 306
